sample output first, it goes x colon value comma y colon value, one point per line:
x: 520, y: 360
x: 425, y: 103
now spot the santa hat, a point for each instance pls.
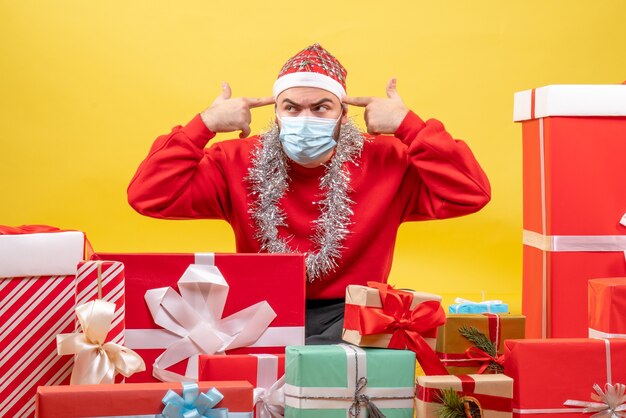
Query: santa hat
x: 312, y: 67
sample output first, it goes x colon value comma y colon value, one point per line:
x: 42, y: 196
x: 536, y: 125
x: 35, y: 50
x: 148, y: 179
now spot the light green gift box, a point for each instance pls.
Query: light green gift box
x: 327, y: 380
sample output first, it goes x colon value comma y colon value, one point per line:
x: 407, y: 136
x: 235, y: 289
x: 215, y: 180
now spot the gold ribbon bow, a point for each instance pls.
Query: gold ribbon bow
x: 610, y: 403
x: 96, y: 361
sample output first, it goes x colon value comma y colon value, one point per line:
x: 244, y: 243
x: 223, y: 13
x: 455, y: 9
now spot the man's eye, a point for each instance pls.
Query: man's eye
x: 321, y: 108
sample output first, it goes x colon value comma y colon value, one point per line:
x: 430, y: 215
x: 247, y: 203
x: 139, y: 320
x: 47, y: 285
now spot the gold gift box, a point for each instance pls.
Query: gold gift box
x: 451, y: 342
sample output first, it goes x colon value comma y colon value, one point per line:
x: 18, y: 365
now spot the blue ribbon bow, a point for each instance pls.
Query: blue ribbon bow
x: 193, y: 403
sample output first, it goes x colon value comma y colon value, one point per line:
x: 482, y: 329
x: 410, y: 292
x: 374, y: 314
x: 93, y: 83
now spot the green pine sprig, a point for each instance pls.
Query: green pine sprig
x: 456, y: 406
x: 480, y: 340
x: 452, y: 404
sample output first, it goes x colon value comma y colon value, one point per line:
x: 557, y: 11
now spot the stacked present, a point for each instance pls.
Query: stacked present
x: 574, y: 160
x: 380, y: 316
x: 37, y: 299
x: 74, y: 329
x: 574, y: 232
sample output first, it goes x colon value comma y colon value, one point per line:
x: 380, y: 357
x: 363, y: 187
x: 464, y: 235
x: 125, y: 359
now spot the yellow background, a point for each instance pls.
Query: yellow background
x: 86, y: 87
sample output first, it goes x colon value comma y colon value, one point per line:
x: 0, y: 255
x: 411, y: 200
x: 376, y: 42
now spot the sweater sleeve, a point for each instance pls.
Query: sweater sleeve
x: 180, y: 179
x: 445, y: 180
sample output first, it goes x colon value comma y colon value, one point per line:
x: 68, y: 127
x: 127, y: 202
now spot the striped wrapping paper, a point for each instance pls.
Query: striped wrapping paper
x: 103, y: 280
x: 33, y: 310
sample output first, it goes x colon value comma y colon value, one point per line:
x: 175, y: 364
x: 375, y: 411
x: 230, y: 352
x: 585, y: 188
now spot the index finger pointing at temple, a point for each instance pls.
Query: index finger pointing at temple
x: 358, y: 101
x: 259, y: 101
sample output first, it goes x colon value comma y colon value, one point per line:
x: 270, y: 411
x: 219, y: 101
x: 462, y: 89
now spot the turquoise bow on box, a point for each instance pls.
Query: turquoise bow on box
x: 193, y: 403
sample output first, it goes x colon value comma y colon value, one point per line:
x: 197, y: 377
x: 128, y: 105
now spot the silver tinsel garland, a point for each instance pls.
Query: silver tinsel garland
x: 268, y: 177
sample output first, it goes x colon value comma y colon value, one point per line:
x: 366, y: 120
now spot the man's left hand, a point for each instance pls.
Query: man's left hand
x: 382, y: 116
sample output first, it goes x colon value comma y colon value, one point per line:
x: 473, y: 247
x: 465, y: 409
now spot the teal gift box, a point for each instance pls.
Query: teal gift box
x: 464, y: 306
x: 339, y: 381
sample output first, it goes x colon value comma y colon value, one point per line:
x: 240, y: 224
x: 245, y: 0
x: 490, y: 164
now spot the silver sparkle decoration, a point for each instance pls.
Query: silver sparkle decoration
x: 269, y: 179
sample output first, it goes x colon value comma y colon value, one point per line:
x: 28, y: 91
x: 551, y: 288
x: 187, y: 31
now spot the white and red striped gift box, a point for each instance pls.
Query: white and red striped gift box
x: 103, y: 280
x: 37, y: 302
x: 33, y: 310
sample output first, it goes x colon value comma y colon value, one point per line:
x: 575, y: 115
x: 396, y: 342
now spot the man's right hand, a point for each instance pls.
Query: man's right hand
x: 228, y: 115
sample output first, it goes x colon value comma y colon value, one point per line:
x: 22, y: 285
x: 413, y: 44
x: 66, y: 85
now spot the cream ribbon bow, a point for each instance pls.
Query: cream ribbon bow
x: 270, y: 402
x: 195, y: 317
x: 95, y: 361
x: 610, y: 403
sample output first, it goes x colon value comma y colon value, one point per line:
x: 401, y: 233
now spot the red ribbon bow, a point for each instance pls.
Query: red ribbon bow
x: 481, y: 356
x: 406, y: 325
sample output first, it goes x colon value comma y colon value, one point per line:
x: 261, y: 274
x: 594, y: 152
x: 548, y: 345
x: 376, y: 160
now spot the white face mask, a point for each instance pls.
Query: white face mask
x: 307, y: 138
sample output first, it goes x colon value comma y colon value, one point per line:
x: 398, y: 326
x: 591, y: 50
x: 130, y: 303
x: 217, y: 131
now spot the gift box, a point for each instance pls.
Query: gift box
x: 464, y: 306
x: 334, y: 380
x: 262, y: 371
x: 549, y: 372
x: 464, y: 355
x: 35, y: 305
x: 607, y: 308
x: 134, y: 399
x: 574, y: 160
x: 379, y: 316
x: 39, y: 250
x: 236, y: 284
x: 490, y: 395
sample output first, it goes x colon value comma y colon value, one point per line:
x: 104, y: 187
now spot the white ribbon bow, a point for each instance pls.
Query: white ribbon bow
x: 95, y: 361
x: 610, y: 403
x: 196, y: 317
x: 270, y: 402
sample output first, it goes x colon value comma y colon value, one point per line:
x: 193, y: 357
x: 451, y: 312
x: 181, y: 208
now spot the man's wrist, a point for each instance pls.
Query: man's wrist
x: 198, y: 132
x: 410, y: 126
x: 208, y: 121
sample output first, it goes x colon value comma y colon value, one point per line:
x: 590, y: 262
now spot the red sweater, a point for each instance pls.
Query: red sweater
x: 419, y: 173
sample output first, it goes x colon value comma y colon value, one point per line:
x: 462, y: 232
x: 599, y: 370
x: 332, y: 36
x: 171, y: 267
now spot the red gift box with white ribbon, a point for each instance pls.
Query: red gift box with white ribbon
x: 556, y: 377
x: 179, y: 306
x: 37, y: 301
x: 264, y: 371
x: 574, y: 165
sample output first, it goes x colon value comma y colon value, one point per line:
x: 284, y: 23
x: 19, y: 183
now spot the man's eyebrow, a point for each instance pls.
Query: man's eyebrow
x: 319, y: 102
x: 324, y: 100
x: 290, y: 102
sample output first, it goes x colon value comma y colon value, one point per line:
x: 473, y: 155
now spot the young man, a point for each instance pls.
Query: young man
x: 313, y: 183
